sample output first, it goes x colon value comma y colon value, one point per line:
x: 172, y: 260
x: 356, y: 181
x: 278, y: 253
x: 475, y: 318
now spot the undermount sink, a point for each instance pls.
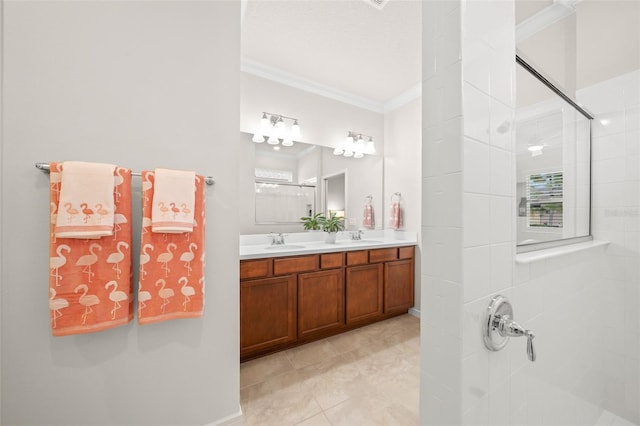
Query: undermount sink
x: 284, y: 247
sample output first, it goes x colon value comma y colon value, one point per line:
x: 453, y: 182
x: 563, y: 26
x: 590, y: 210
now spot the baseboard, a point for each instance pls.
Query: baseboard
x: 229, y: 420
x: 415, y: 312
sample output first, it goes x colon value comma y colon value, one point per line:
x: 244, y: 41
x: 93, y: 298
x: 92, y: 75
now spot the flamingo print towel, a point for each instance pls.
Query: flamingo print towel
x: 87, y: 200
x: 173, y: 201
x: 395, y: 222
x: 90, y: 280
x: 171, y: 279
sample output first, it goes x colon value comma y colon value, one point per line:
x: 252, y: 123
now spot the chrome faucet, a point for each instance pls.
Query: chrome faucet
x: 356, y: 235
x: 277, y: 239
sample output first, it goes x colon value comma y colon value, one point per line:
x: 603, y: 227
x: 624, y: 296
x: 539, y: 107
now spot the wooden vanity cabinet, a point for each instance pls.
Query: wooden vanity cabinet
x: 320, y: 302
x: 267, y: 313
x: 399, y: 282
x: 290, y: 300
x: 364, y: 292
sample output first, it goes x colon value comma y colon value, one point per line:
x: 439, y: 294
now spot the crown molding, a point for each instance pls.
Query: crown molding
x: 292, y: 80
x: 403, y: 98
x: 288, y: 79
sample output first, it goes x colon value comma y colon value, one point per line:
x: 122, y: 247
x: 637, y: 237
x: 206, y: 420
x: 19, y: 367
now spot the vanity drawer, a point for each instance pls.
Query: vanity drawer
x: 259, y: 268
x: 406, y: 252
x: 289, y: 265
x: 382, y: 255
x: 331, y: 260
x: 357, y: 257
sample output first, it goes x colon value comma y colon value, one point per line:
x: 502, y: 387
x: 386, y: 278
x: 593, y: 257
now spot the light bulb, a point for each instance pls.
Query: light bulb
x: 338, y: 151
x: 273, y: 140
x: 265, y: 124
x: 371, y: 149
x: 358, y: 155
x: 295, y: 131
x: 348, y: 153
x: 287, y: 142
x: 534, y: 148
x: 257, y: 138
x: 359, y: 145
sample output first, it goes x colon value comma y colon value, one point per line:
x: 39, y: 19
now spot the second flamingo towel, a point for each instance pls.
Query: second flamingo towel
x: 90, y: 280
x: 171, y: 281
x: 173, y: 201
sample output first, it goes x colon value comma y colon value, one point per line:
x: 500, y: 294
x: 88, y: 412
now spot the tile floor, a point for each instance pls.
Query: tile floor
x: 368, y: 376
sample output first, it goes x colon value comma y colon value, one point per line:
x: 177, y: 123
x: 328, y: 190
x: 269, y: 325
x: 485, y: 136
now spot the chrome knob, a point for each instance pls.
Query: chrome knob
x: 500, y: 325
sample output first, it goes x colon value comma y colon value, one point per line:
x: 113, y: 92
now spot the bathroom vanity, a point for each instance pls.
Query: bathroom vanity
x: 298, y: 293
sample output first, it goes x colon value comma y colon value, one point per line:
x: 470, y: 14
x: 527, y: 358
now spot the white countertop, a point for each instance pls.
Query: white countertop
x: 257, y: 246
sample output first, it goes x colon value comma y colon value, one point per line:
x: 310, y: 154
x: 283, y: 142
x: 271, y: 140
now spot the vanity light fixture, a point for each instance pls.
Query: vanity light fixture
x: 355, y: 146
x: 273, y: 128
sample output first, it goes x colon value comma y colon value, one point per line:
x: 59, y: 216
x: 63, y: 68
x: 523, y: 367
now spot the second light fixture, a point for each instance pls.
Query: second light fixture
x: 355, y: 146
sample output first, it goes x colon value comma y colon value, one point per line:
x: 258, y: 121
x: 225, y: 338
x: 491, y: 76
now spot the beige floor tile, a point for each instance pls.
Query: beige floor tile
x: 368, y: 376
x: 311, y: 353
x: 317, y: 420
x: 259, y: 370
x: 283, y: 407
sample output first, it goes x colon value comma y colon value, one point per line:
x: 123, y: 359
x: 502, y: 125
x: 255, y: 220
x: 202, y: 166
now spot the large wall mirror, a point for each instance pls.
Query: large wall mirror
x: 553, y: 145
x: 280, y: 185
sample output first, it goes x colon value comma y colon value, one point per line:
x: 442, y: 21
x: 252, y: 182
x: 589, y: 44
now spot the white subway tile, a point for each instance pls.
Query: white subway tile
x: 502, y: 261
x: 476, y: 219
x: 502, y: 75
x: 475, y: 376
x: 452, y: 91
x: 477, y: 272
x: 474, y: 317
x: 502, y: 177
x: 476, y: 113
x: 477, y: 166
x: 451, y: 156
x: 502, y: 125
x: 476, y: 60
x: 502, y: 215
x: 451, y: 200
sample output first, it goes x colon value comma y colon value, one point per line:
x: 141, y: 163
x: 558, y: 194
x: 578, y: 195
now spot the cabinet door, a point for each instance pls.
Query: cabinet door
x: 364, y: 292
x: 320, y: 301
x: 267, y: 313
x: 398, y: 286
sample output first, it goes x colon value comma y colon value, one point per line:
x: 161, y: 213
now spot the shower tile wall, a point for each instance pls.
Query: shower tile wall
x: 468, y: 167
x: 441, y: 304
x: 616, y: 218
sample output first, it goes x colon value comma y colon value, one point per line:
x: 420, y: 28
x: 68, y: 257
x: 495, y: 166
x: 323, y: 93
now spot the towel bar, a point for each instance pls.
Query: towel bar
x: 44, y: 168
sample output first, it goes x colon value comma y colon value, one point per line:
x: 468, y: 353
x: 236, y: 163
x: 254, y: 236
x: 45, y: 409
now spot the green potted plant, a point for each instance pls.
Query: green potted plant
x: 313, y: 222
x: 332, y: 225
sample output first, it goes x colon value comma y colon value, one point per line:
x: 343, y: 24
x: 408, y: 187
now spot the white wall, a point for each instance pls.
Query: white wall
x: 143, y: 85
x: 402, y: 170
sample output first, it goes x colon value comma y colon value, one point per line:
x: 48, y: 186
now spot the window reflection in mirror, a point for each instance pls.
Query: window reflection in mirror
x: 552, y: 165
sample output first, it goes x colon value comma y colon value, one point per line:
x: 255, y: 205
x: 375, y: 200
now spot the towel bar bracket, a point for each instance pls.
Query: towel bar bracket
x: 44, y: 168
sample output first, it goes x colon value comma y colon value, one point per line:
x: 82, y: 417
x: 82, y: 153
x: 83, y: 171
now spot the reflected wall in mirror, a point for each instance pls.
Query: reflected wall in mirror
x: 553, y: 143
x: 302, y: 173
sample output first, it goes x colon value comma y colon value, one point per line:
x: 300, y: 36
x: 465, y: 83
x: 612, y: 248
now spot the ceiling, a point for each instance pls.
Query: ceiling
x: 347, y: 45
x: 352, y: 47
